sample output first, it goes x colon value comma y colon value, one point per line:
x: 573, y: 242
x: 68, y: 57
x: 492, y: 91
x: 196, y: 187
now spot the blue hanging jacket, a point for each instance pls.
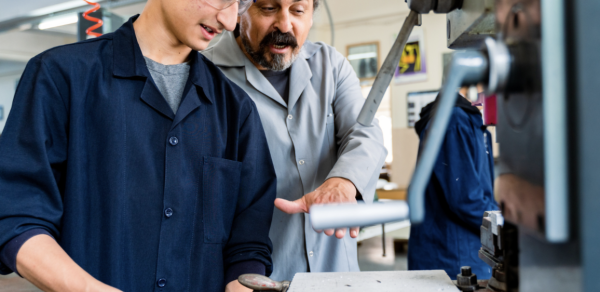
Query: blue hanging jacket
x: 459, y: 192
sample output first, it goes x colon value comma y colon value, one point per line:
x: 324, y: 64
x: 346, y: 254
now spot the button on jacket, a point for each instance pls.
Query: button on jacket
x: 312, y: 137
x: 139, y: 197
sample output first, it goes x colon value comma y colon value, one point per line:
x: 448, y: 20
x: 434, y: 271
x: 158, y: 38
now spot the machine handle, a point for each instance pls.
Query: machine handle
x: 384, y: 76
x: 466, y: 68
x: 556, y: 152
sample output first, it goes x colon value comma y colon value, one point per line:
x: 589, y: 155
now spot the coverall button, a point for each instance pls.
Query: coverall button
x: 173, y: 141
x: 168, y: 212
x: 290, y: 117
x: 310, y: 254
x: 301, y: 162
x: 161, y: 283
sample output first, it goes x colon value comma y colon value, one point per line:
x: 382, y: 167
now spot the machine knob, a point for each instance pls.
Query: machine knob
x: 466, y: 280
x: 466, y: 271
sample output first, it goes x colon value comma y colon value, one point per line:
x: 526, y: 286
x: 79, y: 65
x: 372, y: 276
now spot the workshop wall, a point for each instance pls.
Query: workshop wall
x: 10, y: 73
x: 16, y: 48
x: 7, y: 92
x: 380, y: 21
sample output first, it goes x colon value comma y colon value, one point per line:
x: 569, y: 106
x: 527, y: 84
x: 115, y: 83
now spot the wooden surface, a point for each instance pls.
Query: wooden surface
x: 405, y: 144
x: 396, y: 281
x: 392, y: 195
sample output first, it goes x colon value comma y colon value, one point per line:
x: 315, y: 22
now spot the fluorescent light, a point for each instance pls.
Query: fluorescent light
x: 58, y: 21
x: 362, y: 56
x: 58, y: 7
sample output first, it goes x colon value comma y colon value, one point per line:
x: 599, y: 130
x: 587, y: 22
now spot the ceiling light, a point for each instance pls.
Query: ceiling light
x: 58, y: 21
x: 58, y: 7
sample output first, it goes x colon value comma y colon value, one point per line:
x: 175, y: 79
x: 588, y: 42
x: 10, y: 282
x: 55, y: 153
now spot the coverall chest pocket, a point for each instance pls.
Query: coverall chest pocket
x: 221, y: 186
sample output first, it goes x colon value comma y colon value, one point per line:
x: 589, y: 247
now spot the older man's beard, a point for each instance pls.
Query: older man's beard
x: 264, y: 57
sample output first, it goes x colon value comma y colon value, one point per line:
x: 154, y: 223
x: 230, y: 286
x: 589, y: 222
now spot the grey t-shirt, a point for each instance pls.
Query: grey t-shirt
x: 280, y: 80
x: 170, y: 80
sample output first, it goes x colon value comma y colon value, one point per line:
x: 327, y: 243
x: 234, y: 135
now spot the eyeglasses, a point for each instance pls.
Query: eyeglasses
x: 224, y: 4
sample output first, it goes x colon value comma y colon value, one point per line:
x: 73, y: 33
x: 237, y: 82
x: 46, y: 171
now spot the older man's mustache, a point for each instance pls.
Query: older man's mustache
x: 278, y: 38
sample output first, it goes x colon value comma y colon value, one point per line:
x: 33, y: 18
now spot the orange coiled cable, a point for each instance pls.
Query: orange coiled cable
x: 90, y: 31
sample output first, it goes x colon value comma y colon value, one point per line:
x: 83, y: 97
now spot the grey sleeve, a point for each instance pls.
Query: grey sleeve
x: 360, y: 149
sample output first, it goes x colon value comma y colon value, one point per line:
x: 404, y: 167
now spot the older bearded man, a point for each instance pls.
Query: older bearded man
x: 308, y: 98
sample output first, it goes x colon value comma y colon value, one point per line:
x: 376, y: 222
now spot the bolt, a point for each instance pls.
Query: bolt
x: 466, y: 271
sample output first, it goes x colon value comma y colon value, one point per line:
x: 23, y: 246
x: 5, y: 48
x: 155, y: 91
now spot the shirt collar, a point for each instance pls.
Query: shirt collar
x: 128, y: 60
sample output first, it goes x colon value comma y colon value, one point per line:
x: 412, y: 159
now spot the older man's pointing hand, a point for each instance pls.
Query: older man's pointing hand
x: 333, y: 190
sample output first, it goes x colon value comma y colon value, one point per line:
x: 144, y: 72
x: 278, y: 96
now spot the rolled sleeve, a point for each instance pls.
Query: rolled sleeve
x: 33, y: 156
x: 249, y: 240
x: 248, y: 267
x: 8, y: 254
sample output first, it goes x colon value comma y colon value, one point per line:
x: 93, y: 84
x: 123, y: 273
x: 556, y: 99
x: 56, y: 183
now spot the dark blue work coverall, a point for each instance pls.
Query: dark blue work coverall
x: 141, y: 198
x: 459, y: 192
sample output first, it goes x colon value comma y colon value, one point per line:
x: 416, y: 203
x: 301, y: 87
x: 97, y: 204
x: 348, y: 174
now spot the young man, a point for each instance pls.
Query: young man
x: 308, y: 98
x: 459, y: 192
x: 130, y: 162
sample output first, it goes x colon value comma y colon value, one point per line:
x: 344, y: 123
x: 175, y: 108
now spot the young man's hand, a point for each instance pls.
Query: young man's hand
x: 45, y: 264
x: 235, y: 286
x: 333, y: 190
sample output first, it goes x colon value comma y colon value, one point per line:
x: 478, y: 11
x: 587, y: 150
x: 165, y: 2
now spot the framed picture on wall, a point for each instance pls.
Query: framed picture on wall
x: 364, y: 59
x: 413, y: 63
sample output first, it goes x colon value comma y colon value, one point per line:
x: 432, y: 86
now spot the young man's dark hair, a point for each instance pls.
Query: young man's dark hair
x: 459, y: 192
x: 130, y: 162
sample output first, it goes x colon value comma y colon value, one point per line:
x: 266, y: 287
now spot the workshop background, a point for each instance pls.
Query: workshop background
x: 363, y: 33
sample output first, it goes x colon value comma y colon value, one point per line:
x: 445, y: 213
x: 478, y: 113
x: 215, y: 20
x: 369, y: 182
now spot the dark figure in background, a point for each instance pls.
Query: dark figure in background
x: 459, y: 192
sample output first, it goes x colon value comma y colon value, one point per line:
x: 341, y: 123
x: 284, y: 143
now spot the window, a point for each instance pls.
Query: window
x: 364, y: 59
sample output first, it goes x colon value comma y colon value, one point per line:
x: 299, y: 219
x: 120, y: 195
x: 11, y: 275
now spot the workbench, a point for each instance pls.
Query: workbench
x: 393, y: 281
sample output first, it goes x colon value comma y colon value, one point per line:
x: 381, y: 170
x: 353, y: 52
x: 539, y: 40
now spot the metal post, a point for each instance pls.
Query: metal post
x: 384, y: 76
x: 383, y: 237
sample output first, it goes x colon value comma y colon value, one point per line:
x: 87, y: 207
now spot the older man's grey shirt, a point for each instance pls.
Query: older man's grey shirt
x: 312, y: 137
x: 170, y: 80
x: 280, y: 81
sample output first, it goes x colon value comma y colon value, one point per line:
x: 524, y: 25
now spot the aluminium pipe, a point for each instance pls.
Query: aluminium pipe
x: 384, y: 76
x: 352, y: 215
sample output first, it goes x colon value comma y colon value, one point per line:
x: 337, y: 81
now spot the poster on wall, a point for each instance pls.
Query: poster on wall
x: 413, y: 63
x: 416, y: 102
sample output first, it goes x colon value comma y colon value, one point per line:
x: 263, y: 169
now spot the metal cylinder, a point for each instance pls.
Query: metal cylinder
x: 354, y: 215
